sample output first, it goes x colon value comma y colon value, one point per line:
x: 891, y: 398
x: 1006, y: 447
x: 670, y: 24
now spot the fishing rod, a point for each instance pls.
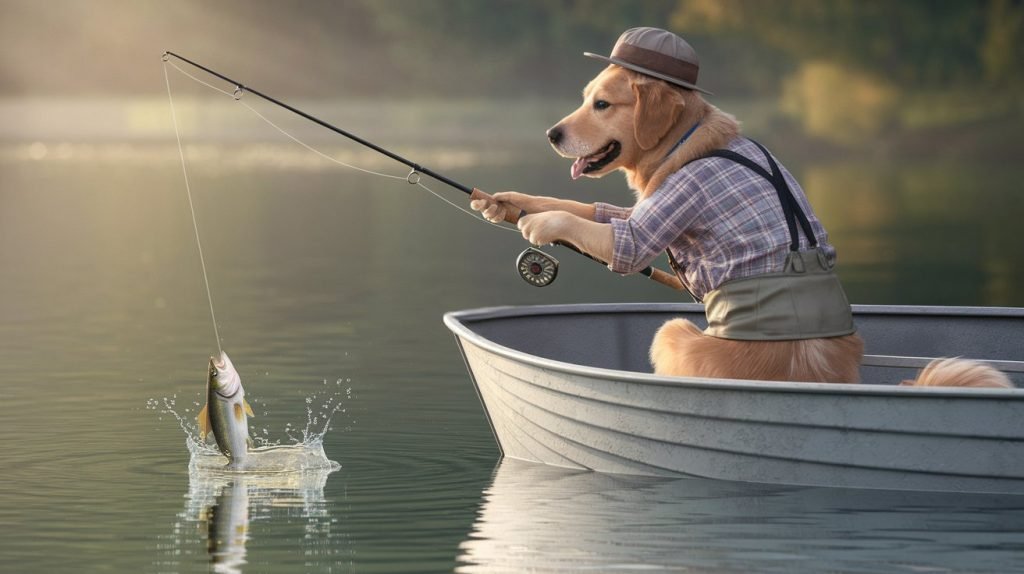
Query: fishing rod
x: 534, y: 266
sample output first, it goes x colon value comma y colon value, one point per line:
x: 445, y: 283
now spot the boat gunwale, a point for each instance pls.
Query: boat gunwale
x: 458, y: 322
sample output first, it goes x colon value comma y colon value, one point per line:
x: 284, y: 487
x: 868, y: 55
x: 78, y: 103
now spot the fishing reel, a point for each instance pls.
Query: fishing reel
x: 536, y: 267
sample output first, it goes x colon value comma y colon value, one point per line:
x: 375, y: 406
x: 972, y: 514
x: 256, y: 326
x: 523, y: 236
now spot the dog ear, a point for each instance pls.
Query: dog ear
x: 657, y: 108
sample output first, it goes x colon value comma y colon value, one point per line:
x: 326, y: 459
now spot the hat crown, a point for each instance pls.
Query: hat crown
x: 660, y: 41
x: 657, y: 53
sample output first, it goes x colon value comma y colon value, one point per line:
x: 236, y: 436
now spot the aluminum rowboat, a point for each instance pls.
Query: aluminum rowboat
x: 570, y: 386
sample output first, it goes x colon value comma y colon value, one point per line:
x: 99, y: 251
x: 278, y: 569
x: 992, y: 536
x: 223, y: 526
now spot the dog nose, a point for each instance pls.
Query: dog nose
x: 555, y: 135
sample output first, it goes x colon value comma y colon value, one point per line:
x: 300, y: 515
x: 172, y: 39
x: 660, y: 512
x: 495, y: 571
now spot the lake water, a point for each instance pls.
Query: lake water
x: 331, y: 283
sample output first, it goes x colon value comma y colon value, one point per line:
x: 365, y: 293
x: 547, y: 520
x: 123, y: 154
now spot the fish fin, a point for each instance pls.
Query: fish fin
x: 248, y: 409
x: 248, y: 442
x: 204, y: 422
x: 239, y: 413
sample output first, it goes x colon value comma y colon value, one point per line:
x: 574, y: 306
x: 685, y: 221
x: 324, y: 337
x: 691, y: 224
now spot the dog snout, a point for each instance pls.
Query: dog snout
x: 555, y: 135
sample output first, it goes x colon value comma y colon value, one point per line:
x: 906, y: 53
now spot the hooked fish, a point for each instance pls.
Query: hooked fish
x: 226, y: 412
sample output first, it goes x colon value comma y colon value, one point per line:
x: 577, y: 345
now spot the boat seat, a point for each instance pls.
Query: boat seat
x: 921, y: 362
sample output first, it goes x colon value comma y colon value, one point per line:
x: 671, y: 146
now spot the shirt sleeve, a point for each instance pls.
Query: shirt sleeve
x: 605, y: 212
x: 653, y: 225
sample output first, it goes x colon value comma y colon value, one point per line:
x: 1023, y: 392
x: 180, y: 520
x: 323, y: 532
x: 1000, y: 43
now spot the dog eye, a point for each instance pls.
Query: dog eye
x: 601, y: 105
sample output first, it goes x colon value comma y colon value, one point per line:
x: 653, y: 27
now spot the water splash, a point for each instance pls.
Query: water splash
x: 303, y: 453
x: 220, y: 507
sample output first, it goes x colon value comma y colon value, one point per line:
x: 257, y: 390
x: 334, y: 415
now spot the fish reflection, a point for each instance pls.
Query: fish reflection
x: 223, y: 504
x: 541, y: 518
x: 228, y: 527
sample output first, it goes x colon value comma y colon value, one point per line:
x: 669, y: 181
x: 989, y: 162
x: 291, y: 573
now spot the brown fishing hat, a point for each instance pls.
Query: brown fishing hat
x: 657, y: 53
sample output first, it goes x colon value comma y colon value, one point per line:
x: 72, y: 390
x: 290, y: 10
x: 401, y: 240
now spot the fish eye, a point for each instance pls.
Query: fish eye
x: 213, y: 372
x: 601, y: 105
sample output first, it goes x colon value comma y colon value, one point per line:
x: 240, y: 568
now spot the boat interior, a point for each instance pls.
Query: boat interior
x: 899, y: 341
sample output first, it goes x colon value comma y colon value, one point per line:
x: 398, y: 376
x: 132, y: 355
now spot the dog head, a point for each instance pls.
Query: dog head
x: 624, y: 116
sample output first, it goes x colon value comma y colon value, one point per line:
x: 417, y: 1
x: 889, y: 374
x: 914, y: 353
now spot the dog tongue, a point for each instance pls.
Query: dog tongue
x: 577, y: 167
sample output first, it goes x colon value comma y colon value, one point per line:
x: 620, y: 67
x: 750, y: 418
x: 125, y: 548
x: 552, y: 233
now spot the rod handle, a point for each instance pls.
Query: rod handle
x: 510, y: 215
x: 667, y: 279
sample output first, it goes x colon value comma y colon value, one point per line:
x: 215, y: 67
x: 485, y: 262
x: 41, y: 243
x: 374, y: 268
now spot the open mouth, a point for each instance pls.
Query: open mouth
x: 596, y: 161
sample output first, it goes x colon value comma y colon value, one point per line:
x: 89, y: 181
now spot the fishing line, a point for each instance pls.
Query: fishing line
x: 407, y: 178
x: 533, y: 265
x: 191, y: 207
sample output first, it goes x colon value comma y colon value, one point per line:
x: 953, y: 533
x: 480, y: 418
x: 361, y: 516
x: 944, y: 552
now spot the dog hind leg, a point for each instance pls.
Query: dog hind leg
x: 671, y: 350
x: 681, y: 349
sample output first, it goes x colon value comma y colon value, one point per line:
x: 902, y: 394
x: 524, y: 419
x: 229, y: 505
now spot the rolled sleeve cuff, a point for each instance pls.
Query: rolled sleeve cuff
x: 606, y: 212
x: 624, y: 247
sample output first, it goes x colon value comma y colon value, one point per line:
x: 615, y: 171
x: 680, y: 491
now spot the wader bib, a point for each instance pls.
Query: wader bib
x: 803, y: 301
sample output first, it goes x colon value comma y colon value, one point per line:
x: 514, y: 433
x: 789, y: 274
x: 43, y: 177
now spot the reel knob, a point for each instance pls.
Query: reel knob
x: 536, y: 267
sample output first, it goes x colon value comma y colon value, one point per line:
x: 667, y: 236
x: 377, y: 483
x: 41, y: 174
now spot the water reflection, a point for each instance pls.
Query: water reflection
x: 922, y: 233
x: 227, y: 527
x: 220, y: 506
x: 540, y: 518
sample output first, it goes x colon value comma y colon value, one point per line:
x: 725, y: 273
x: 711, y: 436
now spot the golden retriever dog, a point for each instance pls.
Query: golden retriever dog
x: 631, y: 122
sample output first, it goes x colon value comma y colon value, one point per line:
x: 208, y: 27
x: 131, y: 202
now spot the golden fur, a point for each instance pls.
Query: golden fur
x: 647, y: 117
x: 960, y: 373
x: 681, y: 349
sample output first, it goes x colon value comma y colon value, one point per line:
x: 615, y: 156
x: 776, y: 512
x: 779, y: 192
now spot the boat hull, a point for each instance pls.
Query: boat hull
x: 866, y: 436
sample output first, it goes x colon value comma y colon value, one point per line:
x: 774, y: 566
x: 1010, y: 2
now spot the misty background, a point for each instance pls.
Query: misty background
x: 850, y: 73
x: 904, y: 121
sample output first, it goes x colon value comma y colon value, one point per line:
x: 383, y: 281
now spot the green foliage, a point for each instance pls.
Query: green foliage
x: 504, y: 46
x: 1003, y: 49
x: 912, y: 43
x: 848, y: 71
x: 524, y: 47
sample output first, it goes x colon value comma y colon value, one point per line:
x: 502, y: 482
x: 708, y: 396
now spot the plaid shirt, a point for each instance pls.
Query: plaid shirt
x: 721, y: 221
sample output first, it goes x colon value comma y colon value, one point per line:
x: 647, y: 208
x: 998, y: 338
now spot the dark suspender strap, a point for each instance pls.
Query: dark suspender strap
x: 790, y: 208
x: 787, y: 209
x: 680, y: 274
x: 780, y: 183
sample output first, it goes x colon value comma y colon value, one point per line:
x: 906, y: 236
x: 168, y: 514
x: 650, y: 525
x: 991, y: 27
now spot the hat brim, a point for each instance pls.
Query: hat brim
x: 648, y: 72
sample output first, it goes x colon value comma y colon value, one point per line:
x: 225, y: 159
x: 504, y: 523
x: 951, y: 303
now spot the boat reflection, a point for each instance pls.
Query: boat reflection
x: 535, y: 517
